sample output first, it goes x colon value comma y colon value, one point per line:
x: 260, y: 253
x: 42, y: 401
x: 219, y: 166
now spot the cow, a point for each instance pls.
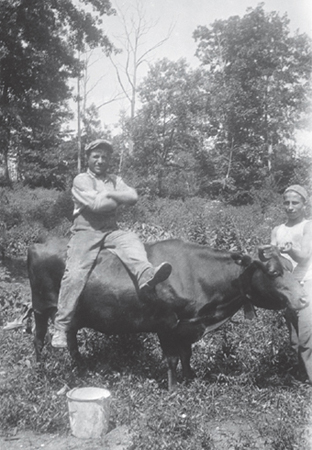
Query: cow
x: 206, y: 288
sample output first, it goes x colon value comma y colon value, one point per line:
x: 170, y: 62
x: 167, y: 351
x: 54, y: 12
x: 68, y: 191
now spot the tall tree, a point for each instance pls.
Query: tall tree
x: 166, y: 129
x: 258, y: 81
x: 37, y: 43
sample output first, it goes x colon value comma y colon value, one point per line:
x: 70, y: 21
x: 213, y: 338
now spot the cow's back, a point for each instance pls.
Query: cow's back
x: 199, y: 274
x: 192, y: 262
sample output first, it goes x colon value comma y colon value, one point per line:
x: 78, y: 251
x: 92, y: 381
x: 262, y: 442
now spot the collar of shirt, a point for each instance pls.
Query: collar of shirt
x: 106, y: 179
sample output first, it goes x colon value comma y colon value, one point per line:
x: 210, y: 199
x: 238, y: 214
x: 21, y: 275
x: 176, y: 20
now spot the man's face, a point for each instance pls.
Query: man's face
x: 294, y: 206
x: 98, y: 161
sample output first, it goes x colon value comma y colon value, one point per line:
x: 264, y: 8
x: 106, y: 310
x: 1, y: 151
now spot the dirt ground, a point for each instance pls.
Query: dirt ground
x: 117, y: 439
x: 224, y: 436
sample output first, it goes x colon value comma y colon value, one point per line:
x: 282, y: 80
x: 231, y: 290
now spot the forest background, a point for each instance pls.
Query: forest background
x: 225, y: 130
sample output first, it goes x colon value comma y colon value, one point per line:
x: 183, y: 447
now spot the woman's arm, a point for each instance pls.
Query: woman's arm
x: 301, y: 253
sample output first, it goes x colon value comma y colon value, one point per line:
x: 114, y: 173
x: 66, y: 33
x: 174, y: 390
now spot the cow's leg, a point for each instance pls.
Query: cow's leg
x: 169, y: 345
x: 72, y: 344
x: 185, y: 356
x: 41, y: 320
x: 172, y: 362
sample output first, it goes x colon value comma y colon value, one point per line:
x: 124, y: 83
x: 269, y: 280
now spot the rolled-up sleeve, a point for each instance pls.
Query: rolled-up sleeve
x: 121, y: 185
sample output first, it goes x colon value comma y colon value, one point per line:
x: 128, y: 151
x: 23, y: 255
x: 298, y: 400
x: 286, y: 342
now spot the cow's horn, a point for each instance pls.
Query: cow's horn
x: 265, y: 252
x: 241, y: 260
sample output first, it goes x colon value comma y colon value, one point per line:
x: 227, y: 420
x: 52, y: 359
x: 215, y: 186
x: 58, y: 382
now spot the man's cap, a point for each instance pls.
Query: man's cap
x: 299, y: 190
x: 99, y: 143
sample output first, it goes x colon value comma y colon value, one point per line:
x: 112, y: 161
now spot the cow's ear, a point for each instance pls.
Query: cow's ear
x: 242, y: 260
x: 286, y: 263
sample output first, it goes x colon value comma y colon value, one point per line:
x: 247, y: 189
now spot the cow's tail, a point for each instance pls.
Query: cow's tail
x: 24, y: 320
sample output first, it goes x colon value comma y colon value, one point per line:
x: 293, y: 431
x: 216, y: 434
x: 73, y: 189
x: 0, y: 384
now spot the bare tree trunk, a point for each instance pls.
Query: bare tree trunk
x: 6, y: 174
x: 270, y: 154
x: 160, y: 174
x: 5, y: 133
x: 230, y: 160
x: 135, y: 29
x: 78, y: 125
x: 121, y: 159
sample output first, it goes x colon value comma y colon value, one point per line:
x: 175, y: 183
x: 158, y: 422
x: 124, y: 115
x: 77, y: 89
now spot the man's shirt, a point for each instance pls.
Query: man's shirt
x: 88, y: 193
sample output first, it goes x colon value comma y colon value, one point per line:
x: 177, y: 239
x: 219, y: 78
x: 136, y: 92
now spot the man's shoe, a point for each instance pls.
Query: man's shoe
x: 59, y: 339
x: 161, y: 273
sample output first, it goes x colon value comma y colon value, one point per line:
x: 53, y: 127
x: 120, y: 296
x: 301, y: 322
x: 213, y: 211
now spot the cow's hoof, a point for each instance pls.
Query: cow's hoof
x: 189, y: 376
x: 82, y: 370
x: 79, y: 363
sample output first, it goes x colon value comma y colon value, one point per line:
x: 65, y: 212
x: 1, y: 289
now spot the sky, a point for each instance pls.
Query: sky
x: 182, y: 17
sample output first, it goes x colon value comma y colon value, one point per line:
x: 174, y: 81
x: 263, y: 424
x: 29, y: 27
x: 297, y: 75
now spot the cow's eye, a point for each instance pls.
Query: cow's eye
x: 274, y: 268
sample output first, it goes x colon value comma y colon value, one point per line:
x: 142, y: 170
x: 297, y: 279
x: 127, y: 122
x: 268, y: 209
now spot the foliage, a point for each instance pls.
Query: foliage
x: 38, y: 39
x: 219, y: 131
x: 51, y: 167
x: 259, y: 74
x: 164, y: 133
x: 231, y: 124
x: 30, y: 216
x: 258, y: 85
x: 206, y: 222
x: 222, y: 130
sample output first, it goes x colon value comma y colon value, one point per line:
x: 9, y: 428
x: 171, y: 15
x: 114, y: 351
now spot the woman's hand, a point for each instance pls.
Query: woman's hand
x: 285, y: 248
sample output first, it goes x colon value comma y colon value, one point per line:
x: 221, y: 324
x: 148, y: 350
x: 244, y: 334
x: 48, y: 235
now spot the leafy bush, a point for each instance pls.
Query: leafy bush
x: 30, y: 216
x: 206, y: 222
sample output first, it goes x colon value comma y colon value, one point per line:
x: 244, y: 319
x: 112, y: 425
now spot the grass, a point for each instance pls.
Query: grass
x: 244, y: 396
x: 243, y: 381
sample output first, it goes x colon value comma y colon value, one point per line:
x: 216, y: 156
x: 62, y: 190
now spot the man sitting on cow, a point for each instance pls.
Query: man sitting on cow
x: 96, y: 195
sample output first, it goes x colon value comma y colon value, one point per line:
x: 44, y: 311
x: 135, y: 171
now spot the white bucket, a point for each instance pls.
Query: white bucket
x: 89, y: 411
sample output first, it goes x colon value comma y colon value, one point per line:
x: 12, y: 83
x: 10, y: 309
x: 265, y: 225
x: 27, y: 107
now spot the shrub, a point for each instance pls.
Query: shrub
x: 30, y: 215
x: 206, y: 222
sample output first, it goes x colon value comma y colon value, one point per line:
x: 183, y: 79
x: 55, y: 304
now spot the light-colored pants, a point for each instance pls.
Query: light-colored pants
x: 82, y: 252
x: 300, y: 328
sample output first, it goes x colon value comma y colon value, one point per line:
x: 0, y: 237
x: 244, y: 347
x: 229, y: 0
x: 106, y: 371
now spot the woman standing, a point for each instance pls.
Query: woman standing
x: 294, y: 241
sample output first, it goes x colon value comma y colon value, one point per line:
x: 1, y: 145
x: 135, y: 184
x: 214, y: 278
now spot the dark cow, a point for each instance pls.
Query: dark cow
x: 205, y: 289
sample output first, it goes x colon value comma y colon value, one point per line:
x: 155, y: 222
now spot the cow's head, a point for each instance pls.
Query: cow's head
x: 268, y: 283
